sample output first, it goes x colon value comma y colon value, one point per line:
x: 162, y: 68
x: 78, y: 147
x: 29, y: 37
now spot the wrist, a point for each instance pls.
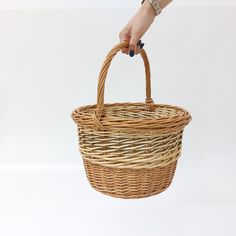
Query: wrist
x: 147, y: 8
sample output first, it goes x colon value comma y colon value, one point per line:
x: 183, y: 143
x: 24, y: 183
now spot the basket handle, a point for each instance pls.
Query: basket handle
x: 99, y: 110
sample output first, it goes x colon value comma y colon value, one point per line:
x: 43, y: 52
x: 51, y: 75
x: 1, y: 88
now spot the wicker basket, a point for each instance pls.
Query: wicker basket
x: 129, y: 150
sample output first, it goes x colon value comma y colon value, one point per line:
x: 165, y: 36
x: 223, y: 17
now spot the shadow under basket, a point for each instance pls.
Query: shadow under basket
x: 129, y: 150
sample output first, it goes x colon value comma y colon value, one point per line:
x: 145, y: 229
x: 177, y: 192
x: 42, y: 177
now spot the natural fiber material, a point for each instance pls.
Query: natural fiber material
x: 130, y: 183
x: 130, y: 150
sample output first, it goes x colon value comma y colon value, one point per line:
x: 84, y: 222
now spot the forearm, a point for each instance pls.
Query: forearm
x: 140, y: 23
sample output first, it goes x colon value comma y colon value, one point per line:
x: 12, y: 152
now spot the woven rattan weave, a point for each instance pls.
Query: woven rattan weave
x: 130, y: 150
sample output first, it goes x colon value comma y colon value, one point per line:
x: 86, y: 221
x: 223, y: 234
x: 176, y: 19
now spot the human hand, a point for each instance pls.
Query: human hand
x: 136, y: 28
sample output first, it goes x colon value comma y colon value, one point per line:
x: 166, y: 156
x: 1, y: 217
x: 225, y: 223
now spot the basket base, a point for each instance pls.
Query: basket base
x: 129, y: 183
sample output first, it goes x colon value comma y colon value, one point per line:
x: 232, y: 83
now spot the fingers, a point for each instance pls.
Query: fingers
x: 135, y: 43
x: 137, y: 49
x: 139, y: 46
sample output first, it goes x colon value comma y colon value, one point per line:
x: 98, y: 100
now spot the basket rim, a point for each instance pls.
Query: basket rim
x: 83, y: 118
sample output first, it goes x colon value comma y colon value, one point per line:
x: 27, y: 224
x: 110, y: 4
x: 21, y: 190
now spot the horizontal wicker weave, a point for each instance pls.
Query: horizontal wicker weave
x: 130, y: 150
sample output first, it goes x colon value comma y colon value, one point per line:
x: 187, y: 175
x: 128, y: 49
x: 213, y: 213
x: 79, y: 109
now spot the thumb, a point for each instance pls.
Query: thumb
x: 133, y: 49
x: 124, y: 37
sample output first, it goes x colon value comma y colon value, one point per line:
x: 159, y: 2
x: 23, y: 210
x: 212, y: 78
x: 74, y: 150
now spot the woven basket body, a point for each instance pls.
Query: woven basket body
x: 130, y: 150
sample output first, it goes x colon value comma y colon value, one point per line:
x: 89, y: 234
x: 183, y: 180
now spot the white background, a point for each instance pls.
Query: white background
x: 52, y: 4
x: 49, y: 64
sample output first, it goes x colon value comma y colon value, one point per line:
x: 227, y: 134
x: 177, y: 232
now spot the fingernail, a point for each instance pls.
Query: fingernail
x: 131, y: 53
x: 139, y: 42
x: 142, y: 44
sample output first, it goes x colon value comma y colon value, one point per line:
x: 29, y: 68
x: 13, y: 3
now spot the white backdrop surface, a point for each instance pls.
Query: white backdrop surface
x: 49, y: 64
x: 71, y: 4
